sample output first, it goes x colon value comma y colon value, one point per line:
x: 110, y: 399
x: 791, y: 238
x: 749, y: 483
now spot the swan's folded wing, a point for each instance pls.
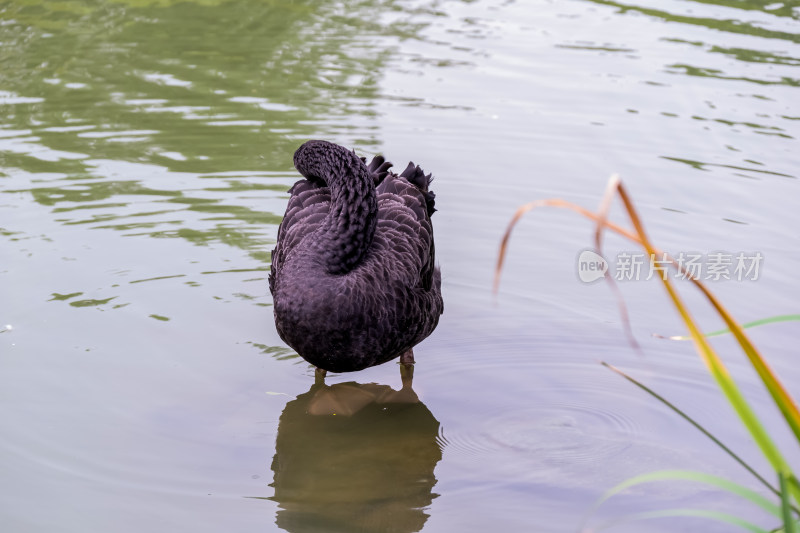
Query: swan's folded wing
x: 405, y: 230
x: 307, y: 208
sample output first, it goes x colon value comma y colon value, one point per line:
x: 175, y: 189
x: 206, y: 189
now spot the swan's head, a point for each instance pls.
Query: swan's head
x: 319, y: 160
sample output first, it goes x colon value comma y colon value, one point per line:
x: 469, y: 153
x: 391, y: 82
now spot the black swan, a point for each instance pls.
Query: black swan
x: 353, y: 278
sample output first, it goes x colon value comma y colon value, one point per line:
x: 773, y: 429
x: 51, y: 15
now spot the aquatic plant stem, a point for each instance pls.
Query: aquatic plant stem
x: 789, y: 525
x: 746, y: 325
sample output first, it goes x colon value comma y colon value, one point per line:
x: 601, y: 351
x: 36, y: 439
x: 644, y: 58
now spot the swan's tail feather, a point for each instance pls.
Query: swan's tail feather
x: 417, y: 177
x: 378, y: 168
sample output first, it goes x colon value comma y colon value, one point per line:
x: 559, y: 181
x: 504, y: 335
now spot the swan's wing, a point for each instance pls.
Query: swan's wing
x: 307, y: 208
x: 405, y: 230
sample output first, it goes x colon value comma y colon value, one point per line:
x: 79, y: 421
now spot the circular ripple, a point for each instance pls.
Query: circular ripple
x: 561, y: 433
x: 556, y: 433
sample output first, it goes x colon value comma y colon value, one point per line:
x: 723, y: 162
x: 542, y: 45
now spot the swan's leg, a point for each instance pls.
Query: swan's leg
x: 407, y: 368
x: 407, y: 374
x: 319, y: 376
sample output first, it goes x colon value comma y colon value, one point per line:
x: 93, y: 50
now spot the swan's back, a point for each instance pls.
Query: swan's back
x: 385, y: 304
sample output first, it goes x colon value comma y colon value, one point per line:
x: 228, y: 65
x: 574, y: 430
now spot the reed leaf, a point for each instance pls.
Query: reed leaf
x: 698, y: 513
x: 789, y: 525
x: 691, y: 475
x: 746, y: 325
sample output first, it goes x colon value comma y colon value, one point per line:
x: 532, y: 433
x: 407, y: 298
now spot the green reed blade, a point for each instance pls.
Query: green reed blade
x: 754, y: 323
x: 691, y: 475
x: 698, y: 513
x: 789, y: 524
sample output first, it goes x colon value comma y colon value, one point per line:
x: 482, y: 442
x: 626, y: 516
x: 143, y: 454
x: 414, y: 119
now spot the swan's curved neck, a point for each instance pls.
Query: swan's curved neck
x: 349, y: 228
x: 347, y: 231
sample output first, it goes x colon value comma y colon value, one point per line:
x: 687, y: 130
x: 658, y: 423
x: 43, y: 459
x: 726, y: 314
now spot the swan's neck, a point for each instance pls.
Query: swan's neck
x: 349, y: 228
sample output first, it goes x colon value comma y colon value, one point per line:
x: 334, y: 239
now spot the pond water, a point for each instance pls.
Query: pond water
x: 145, y: 154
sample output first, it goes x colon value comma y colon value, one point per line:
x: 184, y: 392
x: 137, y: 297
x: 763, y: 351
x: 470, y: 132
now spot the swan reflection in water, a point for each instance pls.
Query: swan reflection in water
x: 355, y: 457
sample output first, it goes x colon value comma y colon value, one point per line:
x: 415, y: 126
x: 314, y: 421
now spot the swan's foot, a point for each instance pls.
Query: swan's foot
x: 342, y: 399
x: 406, y: 394
x: 319, y: 376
